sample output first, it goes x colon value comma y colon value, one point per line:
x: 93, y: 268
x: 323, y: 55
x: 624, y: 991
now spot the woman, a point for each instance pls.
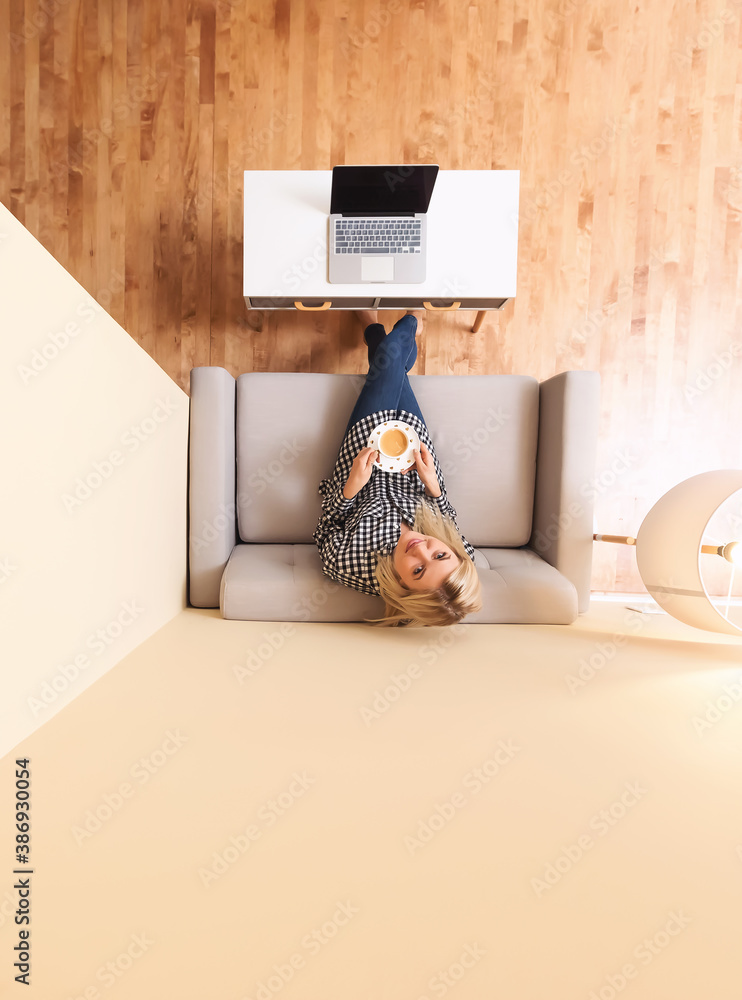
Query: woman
x: 388, y: 533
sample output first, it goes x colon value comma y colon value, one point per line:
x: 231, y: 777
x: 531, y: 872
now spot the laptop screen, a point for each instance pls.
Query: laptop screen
x: 389, y: 190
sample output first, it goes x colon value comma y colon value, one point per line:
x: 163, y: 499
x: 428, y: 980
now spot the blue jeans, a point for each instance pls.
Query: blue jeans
x: 390, y: 357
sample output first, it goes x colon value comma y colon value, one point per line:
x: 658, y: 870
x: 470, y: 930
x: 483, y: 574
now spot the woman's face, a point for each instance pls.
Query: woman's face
x: 421, y: 561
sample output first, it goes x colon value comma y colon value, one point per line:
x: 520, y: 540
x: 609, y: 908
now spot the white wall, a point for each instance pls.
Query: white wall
x: 563, y: 800
x: 93, y: 505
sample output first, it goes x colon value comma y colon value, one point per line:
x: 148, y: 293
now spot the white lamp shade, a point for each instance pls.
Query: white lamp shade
x: 668, y: 548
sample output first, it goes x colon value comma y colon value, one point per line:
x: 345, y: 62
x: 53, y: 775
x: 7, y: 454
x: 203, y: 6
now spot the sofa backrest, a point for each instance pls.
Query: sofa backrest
x: 289, y: 428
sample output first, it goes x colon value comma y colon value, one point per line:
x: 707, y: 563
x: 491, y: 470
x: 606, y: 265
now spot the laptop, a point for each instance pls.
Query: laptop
x: 378, y: 223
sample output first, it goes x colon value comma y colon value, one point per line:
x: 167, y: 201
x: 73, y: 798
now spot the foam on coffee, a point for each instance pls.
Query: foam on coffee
x: 393, y: 442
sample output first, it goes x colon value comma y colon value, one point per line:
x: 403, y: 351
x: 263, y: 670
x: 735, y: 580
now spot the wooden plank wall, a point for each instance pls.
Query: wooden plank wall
x: 125, y: 127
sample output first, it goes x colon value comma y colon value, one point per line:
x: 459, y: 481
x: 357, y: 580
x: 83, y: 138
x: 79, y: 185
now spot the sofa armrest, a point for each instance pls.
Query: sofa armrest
x: 212, y: 521
x: 569, y: 413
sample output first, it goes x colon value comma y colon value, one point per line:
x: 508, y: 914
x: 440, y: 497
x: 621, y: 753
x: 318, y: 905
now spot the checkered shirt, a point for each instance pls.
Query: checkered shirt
x: 351, y: 532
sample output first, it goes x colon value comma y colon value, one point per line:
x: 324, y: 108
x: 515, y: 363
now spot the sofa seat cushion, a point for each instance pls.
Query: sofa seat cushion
x: 290, y: 428
x: 519, y: 588
x: 286, y: 583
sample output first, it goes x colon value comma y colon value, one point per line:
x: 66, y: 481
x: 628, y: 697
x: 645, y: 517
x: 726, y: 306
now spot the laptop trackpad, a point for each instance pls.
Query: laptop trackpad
x: 377, y: 268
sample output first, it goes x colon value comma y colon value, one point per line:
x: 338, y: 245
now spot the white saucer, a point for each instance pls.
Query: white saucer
x: 402, y: 462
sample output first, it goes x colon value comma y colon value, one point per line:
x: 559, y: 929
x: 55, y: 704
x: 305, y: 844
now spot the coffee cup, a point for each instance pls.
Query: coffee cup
x: 393, y: 443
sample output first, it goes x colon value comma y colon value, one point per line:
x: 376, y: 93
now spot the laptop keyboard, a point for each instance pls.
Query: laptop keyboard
x: 374, y: 235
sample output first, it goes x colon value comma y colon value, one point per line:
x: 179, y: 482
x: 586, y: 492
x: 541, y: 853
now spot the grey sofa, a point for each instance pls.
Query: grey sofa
x: 517, y: 456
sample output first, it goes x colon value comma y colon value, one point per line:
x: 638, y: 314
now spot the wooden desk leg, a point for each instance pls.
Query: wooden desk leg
x: 479, y: 320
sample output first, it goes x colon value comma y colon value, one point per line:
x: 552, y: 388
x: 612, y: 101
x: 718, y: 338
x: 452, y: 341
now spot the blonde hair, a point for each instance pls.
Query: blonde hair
x: 458, y: 595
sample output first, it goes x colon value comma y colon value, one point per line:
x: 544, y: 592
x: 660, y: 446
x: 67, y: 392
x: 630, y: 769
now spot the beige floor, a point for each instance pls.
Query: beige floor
x: 215, y: 814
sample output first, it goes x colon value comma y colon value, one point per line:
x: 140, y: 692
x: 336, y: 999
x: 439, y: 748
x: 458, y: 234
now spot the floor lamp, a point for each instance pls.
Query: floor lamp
x: 677, y: 537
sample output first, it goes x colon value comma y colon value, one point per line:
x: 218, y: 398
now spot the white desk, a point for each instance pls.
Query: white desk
x: 472, y: 245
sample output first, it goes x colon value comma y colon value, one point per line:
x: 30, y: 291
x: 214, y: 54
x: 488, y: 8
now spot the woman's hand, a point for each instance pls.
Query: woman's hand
x: 425, y: 467
x: 360, y: 473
